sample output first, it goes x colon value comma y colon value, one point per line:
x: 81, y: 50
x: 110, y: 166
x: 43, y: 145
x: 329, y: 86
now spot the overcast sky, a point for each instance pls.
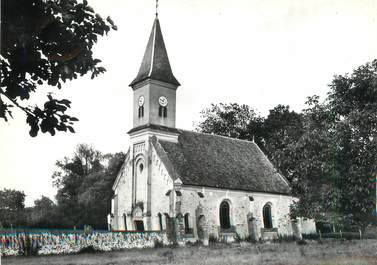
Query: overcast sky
x: 256, y: 52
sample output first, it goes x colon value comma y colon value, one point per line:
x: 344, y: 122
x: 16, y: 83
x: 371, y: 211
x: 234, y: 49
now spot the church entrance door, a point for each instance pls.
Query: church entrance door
x: 139, y: 225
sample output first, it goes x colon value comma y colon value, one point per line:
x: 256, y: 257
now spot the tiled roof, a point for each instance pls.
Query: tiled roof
x: 155, y: 64
x: 207, y: 160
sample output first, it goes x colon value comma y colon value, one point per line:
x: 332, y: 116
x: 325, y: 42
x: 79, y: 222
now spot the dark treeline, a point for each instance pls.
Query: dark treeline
x: 84, y: 183
x: 328, y: 151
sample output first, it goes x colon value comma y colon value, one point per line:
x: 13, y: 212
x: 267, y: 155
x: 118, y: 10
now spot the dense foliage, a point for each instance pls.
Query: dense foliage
x: 12, y: 205
x: 46, y: 42
x: 84, y: 184
x: 328, y: 152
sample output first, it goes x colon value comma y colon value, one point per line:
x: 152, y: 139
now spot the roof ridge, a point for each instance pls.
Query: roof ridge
x: 217, y: 135
x: 153, y: 49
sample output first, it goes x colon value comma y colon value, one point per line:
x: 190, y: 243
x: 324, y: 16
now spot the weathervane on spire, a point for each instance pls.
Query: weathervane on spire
x: 156, y: 8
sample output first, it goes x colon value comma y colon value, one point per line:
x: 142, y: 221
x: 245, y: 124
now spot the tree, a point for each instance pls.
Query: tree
x: 12, y: 204
x: 281, y: 128
x: 46, y: 42
x: 336, y: 157
x: 44, y: 214
x: 84, y: 185
x: 69, y: 177
x: 313, y: 175
x: 353, y: 104
x: 231, y: 120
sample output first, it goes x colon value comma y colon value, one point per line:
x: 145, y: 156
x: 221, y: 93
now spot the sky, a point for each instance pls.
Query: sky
x: 256, y: 52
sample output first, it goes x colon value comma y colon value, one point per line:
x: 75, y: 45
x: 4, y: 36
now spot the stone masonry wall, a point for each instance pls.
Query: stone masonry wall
x: 55, y: 244
x: 240, y: 207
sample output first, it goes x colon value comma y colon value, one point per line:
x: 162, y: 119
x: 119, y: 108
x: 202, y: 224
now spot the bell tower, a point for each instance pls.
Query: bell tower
x: 155, y: 86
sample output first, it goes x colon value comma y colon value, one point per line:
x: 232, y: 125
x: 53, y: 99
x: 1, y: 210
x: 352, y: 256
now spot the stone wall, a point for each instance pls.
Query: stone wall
x: 241, y: 204
x: 47, y: 243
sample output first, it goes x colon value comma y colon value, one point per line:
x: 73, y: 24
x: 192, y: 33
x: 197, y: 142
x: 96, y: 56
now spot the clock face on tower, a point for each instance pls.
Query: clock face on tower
x: 141, y: 101
x: 163, y: 101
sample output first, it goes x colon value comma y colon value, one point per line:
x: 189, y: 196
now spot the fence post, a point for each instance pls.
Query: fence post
x: 340, y: 232
x: 360, y: 233
x: 320, y: 234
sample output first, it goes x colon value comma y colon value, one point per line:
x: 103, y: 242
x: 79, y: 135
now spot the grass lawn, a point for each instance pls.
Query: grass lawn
x: 331, y: 252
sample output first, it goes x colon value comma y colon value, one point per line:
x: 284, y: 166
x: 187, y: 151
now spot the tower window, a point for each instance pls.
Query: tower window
x: 141, y: 111
x: 163, y: 111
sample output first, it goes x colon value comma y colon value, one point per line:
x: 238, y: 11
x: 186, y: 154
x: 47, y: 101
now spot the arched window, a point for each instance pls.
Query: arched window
x: 141, y: 111
x: 267, y: 218
x: 163, y: 111
x: 167, y: 223
x: 224, y: 215
x: 160, y: 221
x: 187, y: 224
x: 125, y: 221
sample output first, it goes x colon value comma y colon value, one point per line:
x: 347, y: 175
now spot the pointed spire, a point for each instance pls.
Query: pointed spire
x: 155, y: 64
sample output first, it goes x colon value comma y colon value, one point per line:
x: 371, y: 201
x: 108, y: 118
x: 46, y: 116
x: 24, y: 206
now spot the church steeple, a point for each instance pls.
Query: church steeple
x: 155, y: 64
x: 155, y: 85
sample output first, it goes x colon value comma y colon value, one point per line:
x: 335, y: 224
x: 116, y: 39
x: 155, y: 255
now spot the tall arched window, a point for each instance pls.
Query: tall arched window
x: 187, y: 224
x: 160, y: 221
x: 224, y: 215
x: 167, y: 220
x: 267, y: 218
x: 141, y: 111
x: 163, y: 111
x: 125, y: 221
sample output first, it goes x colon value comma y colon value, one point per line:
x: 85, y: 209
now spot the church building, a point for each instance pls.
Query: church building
x: 187, y: 183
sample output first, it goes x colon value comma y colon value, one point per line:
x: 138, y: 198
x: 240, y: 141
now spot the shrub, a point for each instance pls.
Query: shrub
x: 312, y: 236
x: 251, y: 240
x: 88, y: 229
x: 193, y: 244
x: 238, y: 238
x: 213, y: 239
x: 283, y: 238
x: 301, y: 242
x: 174, y: 245
x: 158, y: 243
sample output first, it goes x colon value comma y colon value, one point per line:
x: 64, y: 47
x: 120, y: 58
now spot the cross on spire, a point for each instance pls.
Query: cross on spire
x: 156, y: 8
